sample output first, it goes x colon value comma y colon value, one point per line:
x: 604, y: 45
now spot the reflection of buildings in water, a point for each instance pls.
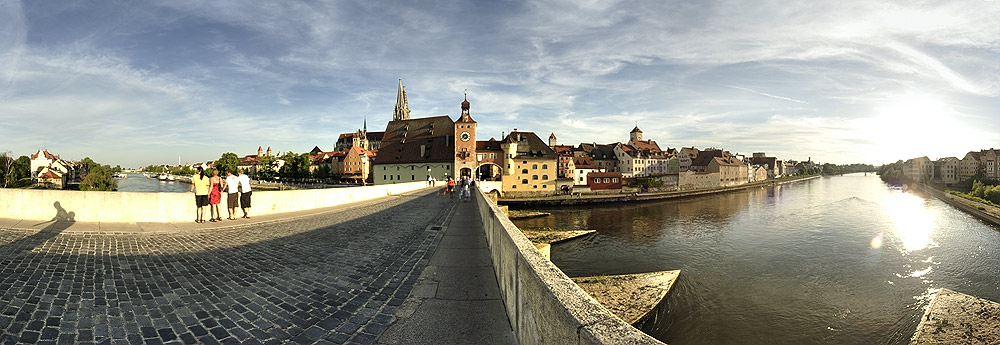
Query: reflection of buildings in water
x: 647, y: 222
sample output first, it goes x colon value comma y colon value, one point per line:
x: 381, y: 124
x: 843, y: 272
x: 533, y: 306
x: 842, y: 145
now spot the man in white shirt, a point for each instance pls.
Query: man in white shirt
x: 244, y: 183
x: 233, y: 191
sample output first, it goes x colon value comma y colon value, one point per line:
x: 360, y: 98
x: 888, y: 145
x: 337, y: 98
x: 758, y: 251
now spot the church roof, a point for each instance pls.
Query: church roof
x: 403, y: 139
x: 636, y: 129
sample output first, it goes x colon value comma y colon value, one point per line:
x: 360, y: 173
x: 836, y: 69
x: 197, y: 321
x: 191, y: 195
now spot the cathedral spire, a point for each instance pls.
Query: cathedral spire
x: 402, y: 111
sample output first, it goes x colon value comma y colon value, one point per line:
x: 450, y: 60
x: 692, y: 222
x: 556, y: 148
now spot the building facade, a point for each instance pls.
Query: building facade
x: 529, y: 165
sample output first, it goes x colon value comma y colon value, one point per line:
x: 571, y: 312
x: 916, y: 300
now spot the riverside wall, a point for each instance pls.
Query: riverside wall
x: 543, y: 305
x: 654, y: 196
x: 131, y: 207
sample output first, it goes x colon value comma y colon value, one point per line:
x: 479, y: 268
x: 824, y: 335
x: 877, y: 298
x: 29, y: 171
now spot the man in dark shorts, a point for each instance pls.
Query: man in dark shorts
x: 244, y: 182
x: 233, y: 194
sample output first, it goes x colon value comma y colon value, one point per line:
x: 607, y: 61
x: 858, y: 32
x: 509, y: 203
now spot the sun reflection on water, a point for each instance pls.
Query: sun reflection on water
x: 914, y: 223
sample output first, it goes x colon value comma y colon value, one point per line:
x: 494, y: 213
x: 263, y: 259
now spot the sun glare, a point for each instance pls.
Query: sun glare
x: 911, y: 126
x: 914, y: 222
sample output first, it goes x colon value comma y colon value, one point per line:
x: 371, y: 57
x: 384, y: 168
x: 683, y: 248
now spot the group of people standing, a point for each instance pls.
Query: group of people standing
x: 208, y: 192
x: 464, y: 188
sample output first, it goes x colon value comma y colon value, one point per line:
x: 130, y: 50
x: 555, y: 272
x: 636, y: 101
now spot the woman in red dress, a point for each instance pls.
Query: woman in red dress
x: 215, y: 196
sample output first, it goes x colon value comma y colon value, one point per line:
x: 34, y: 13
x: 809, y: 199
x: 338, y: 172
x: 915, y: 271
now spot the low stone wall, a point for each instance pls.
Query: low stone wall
x: 543, y: 305
x: 127, y: 207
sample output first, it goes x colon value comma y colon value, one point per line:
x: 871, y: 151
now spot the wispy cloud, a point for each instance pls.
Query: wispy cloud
x: 199, y: 78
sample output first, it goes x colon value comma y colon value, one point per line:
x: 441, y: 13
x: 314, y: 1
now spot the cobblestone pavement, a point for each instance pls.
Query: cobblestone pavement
x: 335, y: 277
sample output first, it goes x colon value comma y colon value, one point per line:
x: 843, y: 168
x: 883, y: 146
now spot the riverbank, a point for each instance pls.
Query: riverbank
x: 987, y: 213
x: 568, y: 200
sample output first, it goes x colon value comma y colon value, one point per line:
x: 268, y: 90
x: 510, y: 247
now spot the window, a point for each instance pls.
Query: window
x: 607, y: 180
x: 543, y: 186
x: 534, y: 177
x: 397, y: 177
x: 524, y: 162
x: 615, y: 180
x: 597, y: 180
x: 534, y: 166
x: 524, y: 181
x: 383, y: 169
x: 524, y: 171
x: 545, y: 166
x: 534, y: 186
x: 412, y: 178
x: 411, y: 168
x: 545, y: 177
x: 513, y: 186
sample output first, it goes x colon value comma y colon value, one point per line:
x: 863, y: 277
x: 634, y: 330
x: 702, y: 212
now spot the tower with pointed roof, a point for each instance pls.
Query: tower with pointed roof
x: 465, y: 141
x: 552, y: 140
x: 402, y: 111
x: 635, y: 135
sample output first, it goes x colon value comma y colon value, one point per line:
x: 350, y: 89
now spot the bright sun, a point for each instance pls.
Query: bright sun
x: 912, y: 126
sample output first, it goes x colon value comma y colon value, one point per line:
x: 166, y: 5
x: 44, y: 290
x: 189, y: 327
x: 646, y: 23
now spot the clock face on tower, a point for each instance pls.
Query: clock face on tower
x: 466, y: 136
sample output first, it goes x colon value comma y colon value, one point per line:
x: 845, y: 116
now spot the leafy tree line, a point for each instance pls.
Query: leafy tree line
x: 892, y: 173
x: 296, y: 165
x: 14, y: 173
x: 835, y: 169
x: 96, y: 176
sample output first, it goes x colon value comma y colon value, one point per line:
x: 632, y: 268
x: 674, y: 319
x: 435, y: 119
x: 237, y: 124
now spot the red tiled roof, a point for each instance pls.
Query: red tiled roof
x: 530, y: 145
x: 49, y: 174
x: 44, y: 153
x: 647, y: 145
x: 585, y: 163
x: 488, y: 145
x: 403, y: 139
x: 563, y: 149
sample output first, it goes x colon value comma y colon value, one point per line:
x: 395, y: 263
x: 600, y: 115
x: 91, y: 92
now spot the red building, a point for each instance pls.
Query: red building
x: 604, y: 180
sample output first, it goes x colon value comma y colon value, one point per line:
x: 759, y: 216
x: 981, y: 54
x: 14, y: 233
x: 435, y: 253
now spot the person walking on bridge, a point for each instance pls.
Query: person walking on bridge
x: 450, y: 188
x: 466, y: 185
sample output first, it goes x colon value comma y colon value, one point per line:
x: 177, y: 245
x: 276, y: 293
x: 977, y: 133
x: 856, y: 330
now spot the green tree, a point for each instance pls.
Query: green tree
x: 266, y: 168
x: 98, y: 177
x: 322, y: 172
x: 296, y: 165
x: 228, y: 162
x: 8, y: 173
x: 184, y: 170
x: 892, y: 173
x: 88, y: 163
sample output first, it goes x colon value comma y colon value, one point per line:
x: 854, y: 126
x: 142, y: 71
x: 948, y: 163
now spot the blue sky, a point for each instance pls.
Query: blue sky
x: 137, y: 83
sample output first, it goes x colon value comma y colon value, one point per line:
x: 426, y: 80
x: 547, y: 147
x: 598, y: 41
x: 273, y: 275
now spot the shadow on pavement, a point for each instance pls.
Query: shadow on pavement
x: 61, y: 221
x: 338, y: 276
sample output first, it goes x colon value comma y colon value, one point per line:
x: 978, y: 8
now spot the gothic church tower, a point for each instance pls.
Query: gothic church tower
x: 402, y: 111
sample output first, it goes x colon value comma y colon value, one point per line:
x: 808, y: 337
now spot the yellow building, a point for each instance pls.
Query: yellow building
x: 529, y: 165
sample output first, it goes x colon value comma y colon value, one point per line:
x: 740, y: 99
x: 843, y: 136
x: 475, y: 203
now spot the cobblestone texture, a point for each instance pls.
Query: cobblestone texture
x: 336, y: 277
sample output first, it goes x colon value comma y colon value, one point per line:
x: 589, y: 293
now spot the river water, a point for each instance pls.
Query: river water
x: 139, y: 183
x: 833, y: 260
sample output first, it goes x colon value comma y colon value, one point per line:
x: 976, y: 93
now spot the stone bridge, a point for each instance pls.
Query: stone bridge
x: 409, y: 268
